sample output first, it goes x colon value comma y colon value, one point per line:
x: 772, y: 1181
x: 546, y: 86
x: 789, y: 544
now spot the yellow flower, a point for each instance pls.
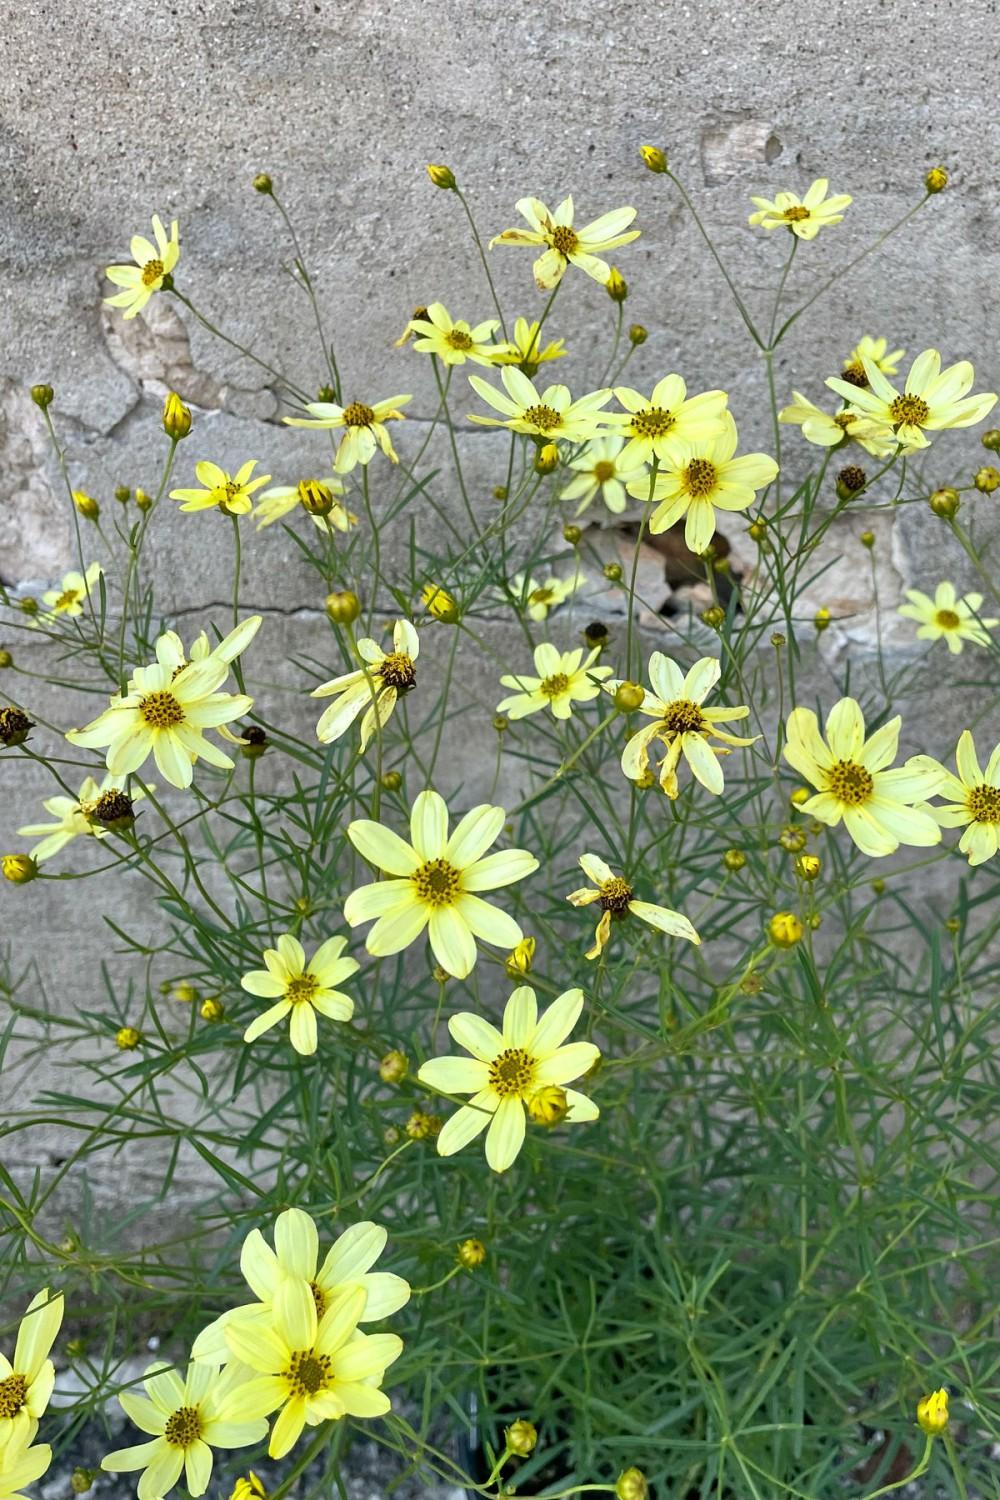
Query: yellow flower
x: 364, y: 428
x: 170, y: 648
x: 435, y: 883
x: 521, y: 1437
x: 318, y: 497
x: 526, y: 350
x: 454, y: 342
x: 152, y: 265
x: 300, y: 989
x: 600, y: 472
x: 439, y: 603
x: 932, y: 1413
x: 471, y: 1254
x: 186, y: 1419
x: 682, y: 724
x: 701, y: 476
x: 655, y: 424
x: 506, y: 1069
x: 616, y: 901
x: 230, y: 492
x: 248, y: 1487
x: 521, y: 958
x: 540, y: 598
x: 933, y: 399
x: 947, y: 617
x: 74, y: 589
x: 785, y: 929
x: 74, y: 818
x: 292, y: 1269
x: 26, y: 1383
x: 853, y: 783
x: 565, y: 245
x: 805, y: 217
x: 316, y: 1369
x: 373, y: 690
x: 826, y: 431
x: 86, y: 505
x: 875, y: 350
x: 21, y: 1465
x: 564, y: 678
x: 166, y: 716
x: 973, y: 800
x: 552, y: 415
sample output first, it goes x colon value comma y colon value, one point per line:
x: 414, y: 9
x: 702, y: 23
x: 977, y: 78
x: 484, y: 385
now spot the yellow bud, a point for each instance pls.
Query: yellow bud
x: 471, y: 1254
x: 499, y: 492
x: 878, y: 885
x: 6, y: 660
x: 442, y: 177
x: 986, y: 479
x: 616, y: 286
x: 631, y: 1485
x: 572, y: 534
x: 867, y: 539
x: 792, y: 838
x: 248, y: 1487
x: 808, y: 866
x: 316, y: 498
x: 176, y: 417
x: 142, y: 500
x: 945, y: 503
x: 629, y: 696
x: 778, y: 640
x: 521, y: 1438
x: 212, y: 1009
x: 86, y: 505
x: 547, y: 459
x: 19, y: 868
x: 821, y: 620
x: 932, y: 1413
x: 393, y: 1067
x: 343, y: 608
x: 549, y: 1105
x: 936, y: 180
x: 439, y: 603
x: 785, y: 929
x: 801, y: 794
x: 422, y: 1127
x: 82, y: 1480
x: 991, y: 439
x: 441, y: 974
x: 953, y: 924
x: 43, y: 396
x: 500, y: 723
x: 654, y: 158
x: 262, y: 183
x: 734, y: 860
x: 637, y: 334
x: 184, y: 994
x: 520, y: 959
x: 127, y: 1038
x: 757, y: 530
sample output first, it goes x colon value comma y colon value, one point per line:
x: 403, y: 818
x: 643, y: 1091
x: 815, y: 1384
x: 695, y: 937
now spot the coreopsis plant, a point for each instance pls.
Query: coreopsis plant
x: 703, y: 1200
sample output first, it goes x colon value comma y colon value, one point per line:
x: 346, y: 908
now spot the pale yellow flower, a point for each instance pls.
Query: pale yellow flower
x: 564, y: 678
x: 826, y: 431
x: 319, y: 498
x: 805, y: 217
x: 526, y: 349
x: 230, y: 492
x: 852, y: 780
x: 973, y: 799
x: 21, y: 1464
x: 454, y: 342
x: 541, y: 596
x: 932, y: 1413
x: 875, y: 350
x: 552, y: 415
x: 68, y: 599
x: 26, y: 1381
x: 170, y: 652
x: 435, y: 884
x: 655, y: 424
x: 600, y: 472
x: 616, y: 899
x: 364, y: 428
x: 372, y: 690
x: 565, y: 245
x: 75, y: 818
x: 301, y: 990
x: 152, y: 264
x: 507, y: 1068
x: 932, y: 400
x: 948, y: 617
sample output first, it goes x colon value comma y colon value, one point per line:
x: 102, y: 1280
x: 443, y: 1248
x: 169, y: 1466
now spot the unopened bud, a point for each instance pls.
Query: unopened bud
x: 547, y: 459
x: 392, y: 780
x: 821, y: 620
x: 326, y: 393
x: 808, y: 866
x: 612, y: 572
x: 471, y: 1254
x: 521, y: 1438
x: 867, y: 539
x: 43, y: 396
x: 734, y: 860
x: 549, y: 1105
x: 936, y: 180
x: 500, y: 723
x: 784, y: 929
x: 6, y: 660
x: 991, y: 439
x: 441, y: 176
x: 520, y: 959
x: 176, y: 417
x: 127, y: 1038
x: 757, y: 530
x: 19, y: 868
x: 945, y: 503
x: 637, y: 334
x: 654, y: 158
x: 142, y: 500
x: 715, y: 616
x: 316, y: 498
x: 423, y: 1127
x: 792, y: 838
x: 82, y: 1480
x: 439, y: 603
x: 393, y: 1067
x: 123, y: 494
x: 629, y: 696
x: 86, y: 505
x: 343, y: 608
x: 932, y: 1413
x: 212, y: 1009
x: 500, y: 492
x: 631, y: 1485
x: 572, y: 534
x: 616, y: 286
x: 262, y: 183
x: 986, y: 479
x: 15, y: 726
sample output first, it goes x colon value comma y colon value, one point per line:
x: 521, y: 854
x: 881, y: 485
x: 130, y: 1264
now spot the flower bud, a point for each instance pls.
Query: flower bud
x: 6, y: 660
x: 821, y: 620
x: 441, y: 974
x: 616, y: 286
x: 986, y: 479
x: 631, y: 1485
x: 439, y: 603
x: 393, y: 1067
x: 801, y: 794
x: 785, y: 929
x: 778, y: 640
x: 15, y: 726
x: 757, y: 530
x: 991, y: 439
x: 256, y: 742
x: 86, y: 505
x: 82, y: 1480
x: 19, y: 868
x: 392, y: 780
x: 212, y: 1009
x: 442, y: 177
x: 637, y: 334
x: 867, y: 539
x: 792, y: 838
x: 808, y: 866
x: 549, y: 1105
x: 945, y: 503
x: 547, y: 459
x: 113, y: 810
x: 471, y: 1254
x: 184, y: 993
x: 316, y: 498
x: 176, y: 417
x: 878, y: 885
x: 262, y: 183
x: 612, y: 572
x: 521, y: 1438
x: 572, y: 534
x: 936, y: 180
x: 326, y: 393
x: 423, y: 1127
x: 714, y: 616
x: 932, y: 1413
x: 127, y: 1039
x: 595, y: 634
x: 734, y: 860
x: 500, y: 723
x: 654, y: 158
x: 629, y: 696
x: 851, y: 481
x: 751, y: 984
x: 520, y: 959
x: 143, y: 501
x: 500, y: 492
x: 43, y: 396
x: 343, y: 608
x: 123, y: 494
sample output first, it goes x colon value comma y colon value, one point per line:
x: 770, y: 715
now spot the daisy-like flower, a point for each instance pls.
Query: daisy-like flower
x: 153, y: 263
x: 553, y: 415
x: 169, y: 647
x: 826, y: 431
x: 316, y: 1369
x: 932, y: 399
x: 655, y: 424
x: 186, y: 1419
x: 853, y: 782
x: 973, y: 799
x: 700, y: 477
x: 507, y: 1069
x: 541, y: 597
x: 68, y: 599
x: 682, y: 724
x: 526, y: 350
x: 435, y: 883
x: 75, y: 818
x: 26, y: 1383
x: 617, y: 901
x: 564, y: 678
x: 271, y: 1275
x: 166, y: 716
x: 947, y: 617
x: 373, y: 690
x: 364, y: 428
x: 21, y: 1465
x: 565, y: 245
x: 300, y: 990
x: 318, y: 498
x: 230, y: 492
x: 875, y: 350
x: 805, y: 217
x: 599, y: 472
x: 454, y: 342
